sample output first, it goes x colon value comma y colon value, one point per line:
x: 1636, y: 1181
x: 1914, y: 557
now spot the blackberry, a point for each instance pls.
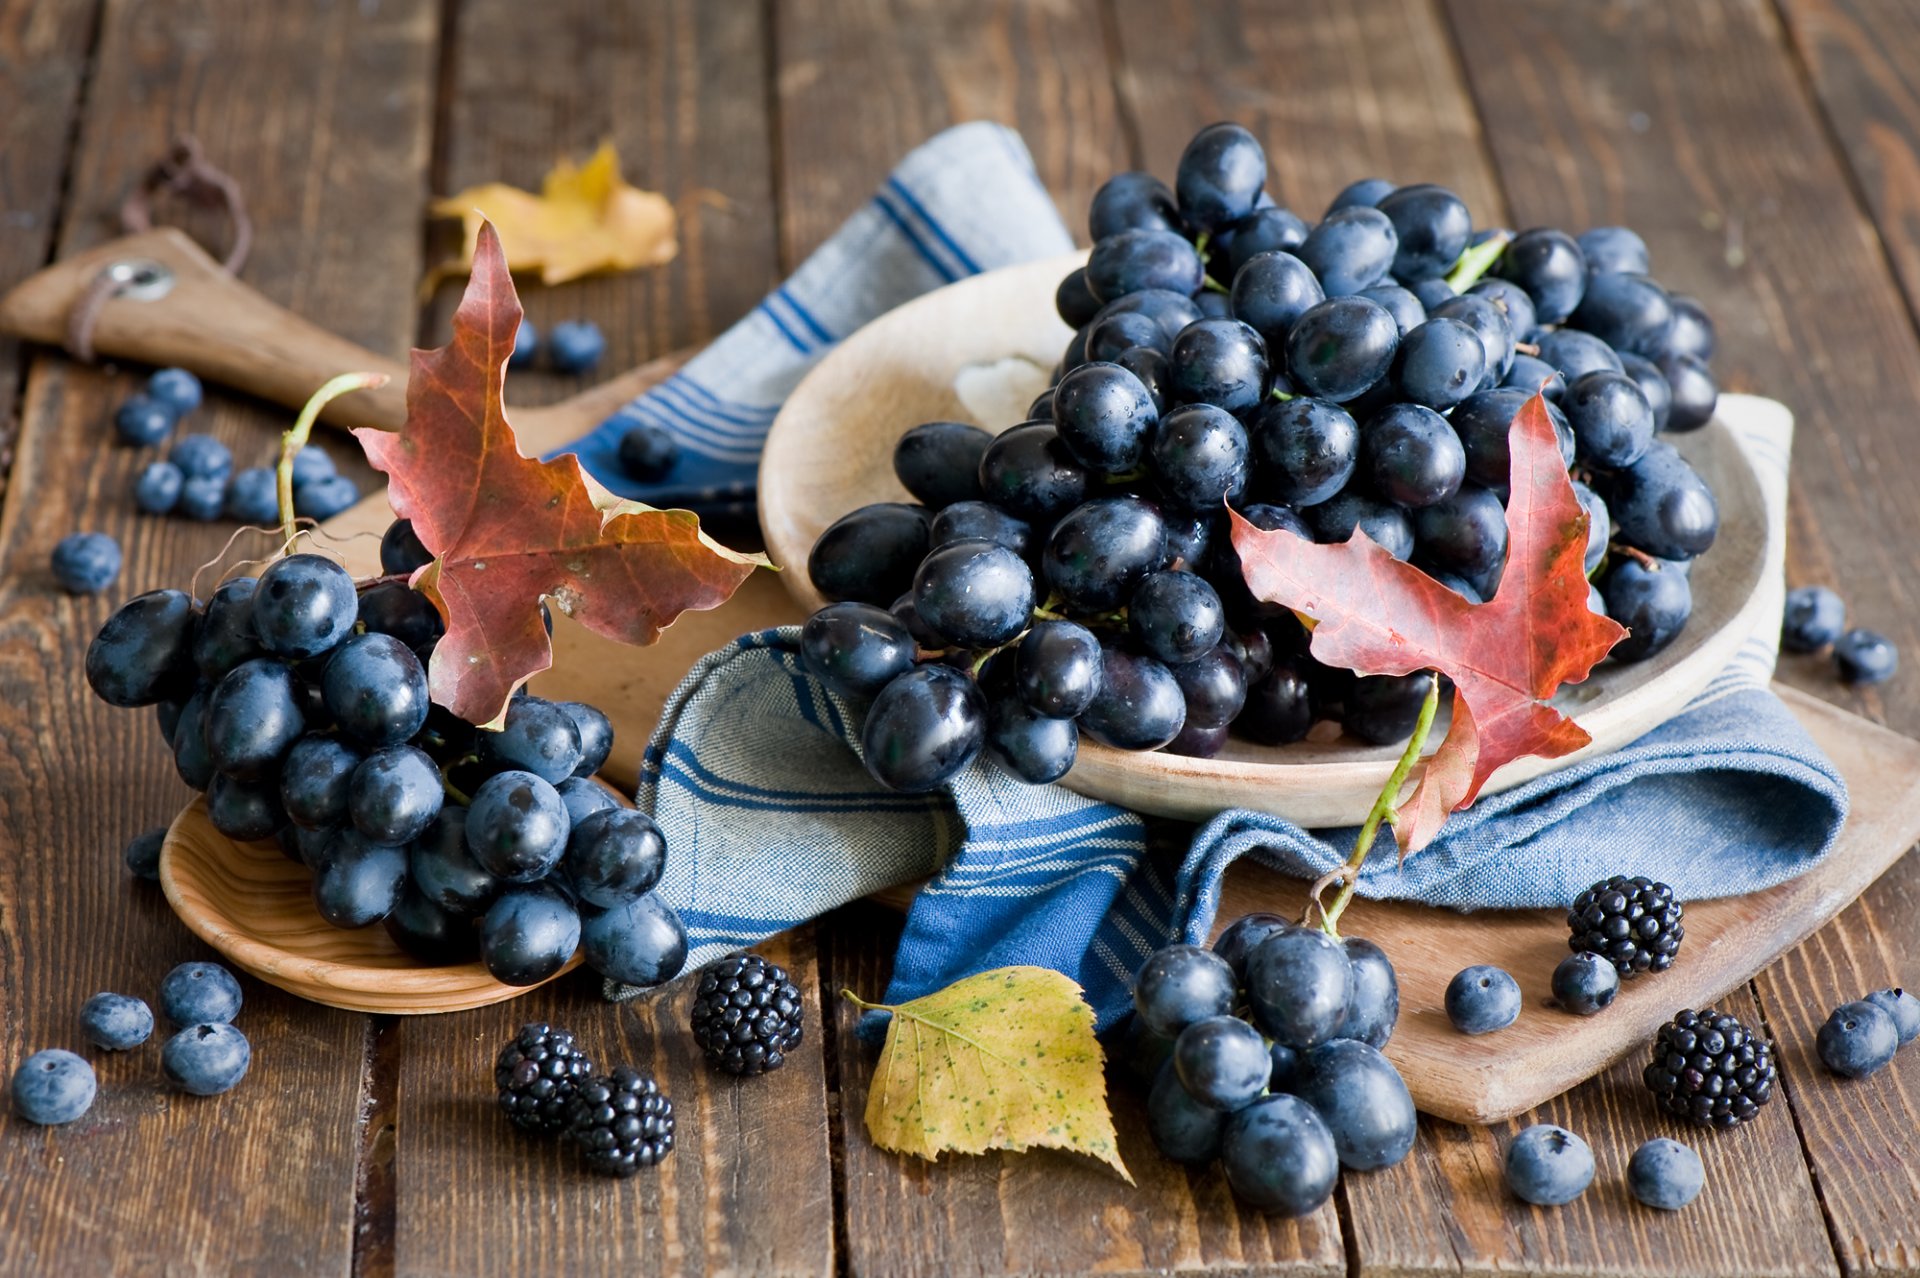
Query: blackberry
x: 747, y: 1015
x: 621, y: 1122
x: 1710, y: 1069
x: 538, y: 1075
x: 1632, y: 923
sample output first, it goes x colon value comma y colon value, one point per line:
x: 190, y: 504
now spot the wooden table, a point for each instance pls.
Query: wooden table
x: 1770, y: 152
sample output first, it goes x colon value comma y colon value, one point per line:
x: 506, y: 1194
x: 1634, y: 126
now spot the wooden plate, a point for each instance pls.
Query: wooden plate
x: 980, y: 350
x: 254, y: 906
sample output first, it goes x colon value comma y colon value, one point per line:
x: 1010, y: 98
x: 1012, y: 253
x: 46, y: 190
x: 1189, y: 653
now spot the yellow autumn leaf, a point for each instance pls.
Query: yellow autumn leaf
x: 1003, y: 1060
x: 585, y: 219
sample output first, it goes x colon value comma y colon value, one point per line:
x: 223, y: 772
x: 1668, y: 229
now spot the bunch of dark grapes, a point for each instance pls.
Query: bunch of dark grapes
x: 1074, y: 574
x: 298, y: 703
x: 1264, y: 1053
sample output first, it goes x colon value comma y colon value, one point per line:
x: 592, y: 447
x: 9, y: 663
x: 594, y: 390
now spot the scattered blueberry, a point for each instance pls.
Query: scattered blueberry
x: 143, y: 854
x: 1814, y: 618
x: 117, y: 1022
x: 575, y: 346
x: 203, y: 497
x: 1585, y: 983
x: 325, y: 498
x: 526, y: 345
x: 202, y: 457
x: 1665, y: 1174
x: 1865, y: 657
x: 143, y: 422
x: 1482, y: 999
x: 310, y: 464
x: 200, y: 994
x: 1858, y: 1039
x: 206, y: 1060
x: 157, y: 489
x: 648, y: 452
x: 254, y: 497
x: 1903, y: 1007
x: 1549, y: 1165
x: 86, y: 563
x: 53, y: 1086
x: 176, y: 388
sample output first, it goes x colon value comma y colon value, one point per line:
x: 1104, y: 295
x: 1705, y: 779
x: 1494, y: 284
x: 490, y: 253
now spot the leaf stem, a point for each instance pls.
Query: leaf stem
x: 1348, y: 875
x: 296, y: 439
x: 863, y: 1005
x: 1477, y: 261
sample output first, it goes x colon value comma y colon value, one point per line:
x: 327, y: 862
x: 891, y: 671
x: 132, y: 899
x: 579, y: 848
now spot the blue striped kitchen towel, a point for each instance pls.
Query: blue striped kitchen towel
x: 755, y: 777
x: 965, y: 201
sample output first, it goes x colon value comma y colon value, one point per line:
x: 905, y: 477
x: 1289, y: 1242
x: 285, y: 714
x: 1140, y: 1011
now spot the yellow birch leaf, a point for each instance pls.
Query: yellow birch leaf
x: 585, y: 219
x: 1003, y: 1060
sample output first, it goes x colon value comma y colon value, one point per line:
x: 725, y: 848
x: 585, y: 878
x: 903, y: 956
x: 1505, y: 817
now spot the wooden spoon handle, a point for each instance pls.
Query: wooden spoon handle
x: 209, y: 323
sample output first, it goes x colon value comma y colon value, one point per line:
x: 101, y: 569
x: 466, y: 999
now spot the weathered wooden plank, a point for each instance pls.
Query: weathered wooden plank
x: 1693, y: 124
x: 862, y: 82
x: 43, y: 58
x: 746, y: 1190
x: 321, y: 112
x: 1041, y: 1212
x: 1863, y: 58
x: 678, y: 86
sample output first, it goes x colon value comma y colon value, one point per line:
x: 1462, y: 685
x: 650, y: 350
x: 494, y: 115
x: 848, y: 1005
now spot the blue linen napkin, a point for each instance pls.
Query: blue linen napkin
x: 965, y: 201
x: 754, y: 771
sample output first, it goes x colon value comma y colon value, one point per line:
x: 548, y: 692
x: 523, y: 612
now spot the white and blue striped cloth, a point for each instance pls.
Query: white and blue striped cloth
x: 771, y: 818
x: 966, y: 201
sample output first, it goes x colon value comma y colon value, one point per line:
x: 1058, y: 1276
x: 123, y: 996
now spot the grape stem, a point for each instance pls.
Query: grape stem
x: 1477, y: 261
x: 1348, y: 874
x: 296, y: 439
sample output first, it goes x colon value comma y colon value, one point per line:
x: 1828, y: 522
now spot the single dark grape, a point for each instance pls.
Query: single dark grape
x: 1532, y: 374
x: 1652, y: 602
x: 1550, y: 267
x: 191, y: 758
x: 1335, y: 520
x: 856, y: 649
x: 1512, y: 302
x: 923, y: 728
x: 615, y: 855
x: 529, y: 933
x: 1028, y: 472
x: 1815, y: 616
x: 1341, y: 347
x: 1406, y: 308
x: 1599, y: 525
x: 1691, y: 332
x: 939, y: 462
x: 1279, y: 708
x: 1496, y: 333
x: 224, y: 637
x: 1189, y: 539
x: 1610, y: 249
x: 314, y: 780
x: 1653, y: 384
x: 1181, y: 985
x: 869, y: 554
x: 245, y: 811
x: 1298, y: 985
x: 1122, y: 331
x: 253, y: 719
x: 444, y: 868
x: 1465, y: 533
x: 1104, y: 416
x: 1303, y: 450
x: 144, y: 654
x: 1058, y: 668
x: 429, y: 933
x: 1440, y: 363
x: 1214, y: 685
x: 1412, y: 456
x: 1133, y: 202
x: 1150, y: 366
x: 1576, y: 354
x: 395, y: 794
x: 400, y: 549
x: 516, y: 827
x: 1221, y: 362
x: 1267, y: 230
x: 1695, y: 393
x: 1170, y: 310
x: 975, y: 594
x: 1383, y: 709
x: 1628, y: 312
x: 536, y: 736
x: 1032, y: 746
x: 1220, y: 176
x: 1351, y: 250
x: 1279, y: 1156
x: 1101, y: 550
x: 397, y: 609
x: 376, y: 690
x: 1662, y: 506
x: 1182, y: 1129
x: 1074, y: 300
x: 358, y: 880
x: 1198, y: 457
x: 1139, y: 706
x: 1132, y: 261
x: 1273, y: 290
x: 1611, y: 419
x: 1176, y: 616
x: 1432, y: 225
x: 1366, y: 193
x: 304, y: 605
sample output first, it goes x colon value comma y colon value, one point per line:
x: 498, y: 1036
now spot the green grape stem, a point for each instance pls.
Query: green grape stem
x: 296, y: 439
x: 1477, y: 261
x: 1348, y: 875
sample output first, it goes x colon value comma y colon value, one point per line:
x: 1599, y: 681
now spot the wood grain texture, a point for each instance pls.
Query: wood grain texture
x: 1693, y: 123
x: 1042, y: 1212
x: 748, y: 1188
x: 328, y: 146
x: 862, y: 82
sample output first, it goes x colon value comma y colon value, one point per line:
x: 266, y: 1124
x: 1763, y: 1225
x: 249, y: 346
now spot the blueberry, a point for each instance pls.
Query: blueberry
x: 142, y: 421
x: 1362, y: 1099
x: 637, y: 942
x: 53, y: 1086
x: 526, y: 345
x: 1865, y: 657
x: 1903, y: 1007
x: 1374, y: 1006
x: 200, y: 994
x: 1222, y: 1062
x: 86, y: 563
x: 325, y: 498
x: 648, y: 452
x: 311, y: 463
x: 1665, y: 1174
x: 1548, y: 1165
x: 176, y: 389
x: 1181, y: 984
x: 202, y: 457
x: 575, y: 346
x: 157, y: 489
x: 1299, y: 983
x: 1279, y: 1156
x: 117, y: 1022
x: 1245, y: 932
x: 1858, y: 1039
x: 1585, y: 983
x: 1182, y: 1128
x: 1482, y: 999
x: 142, y: 855
x: 206, y: 1060
x: 202, y: 498
x: 253, y: 497
x: 1814, y: 618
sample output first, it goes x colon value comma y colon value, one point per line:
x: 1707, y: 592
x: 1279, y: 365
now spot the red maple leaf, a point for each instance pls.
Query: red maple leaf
x: 508, y: 531
x: 1376, y: 615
